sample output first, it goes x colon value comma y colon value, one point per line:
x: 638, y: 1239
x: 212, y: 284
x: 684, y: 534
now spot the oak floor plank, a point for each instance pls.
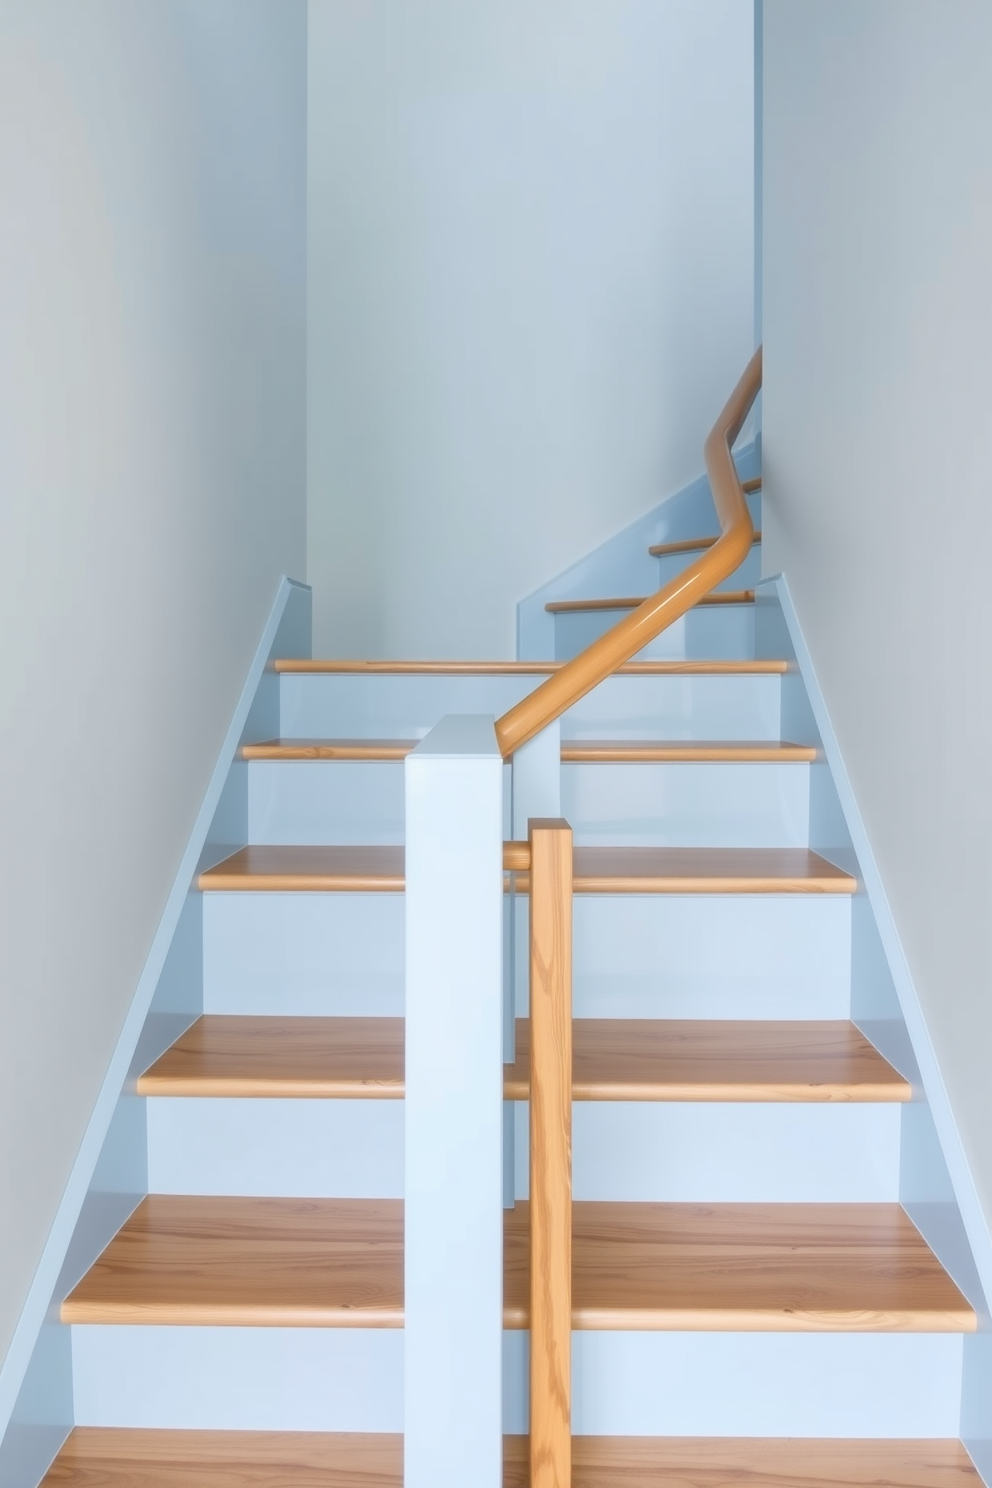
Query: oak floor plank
x: 341, y: 869
x: 100, y: 1458
x: 628, y: 1059
x: 339, y: 1263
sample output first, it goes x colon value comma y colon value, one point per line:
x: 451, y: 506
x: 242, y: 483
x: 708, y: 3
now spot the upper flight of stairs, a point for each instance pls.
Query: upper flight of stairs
x: 751, y: 1303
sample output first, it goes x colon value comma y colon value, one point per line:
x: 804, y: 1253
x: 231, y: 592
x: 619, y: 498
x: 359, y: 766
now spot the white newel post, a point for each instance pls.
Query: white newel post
x: 454, y: 1108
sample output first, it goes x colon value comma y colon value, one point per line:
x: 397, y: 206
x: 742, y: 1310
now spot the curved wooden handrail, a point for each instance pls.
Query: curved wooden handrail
x: 610, y: 651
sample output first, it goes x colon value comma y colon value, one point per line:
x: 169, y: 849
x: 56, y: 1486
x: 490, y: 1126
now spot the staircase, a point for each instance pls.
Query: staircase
x: 750, y: 1302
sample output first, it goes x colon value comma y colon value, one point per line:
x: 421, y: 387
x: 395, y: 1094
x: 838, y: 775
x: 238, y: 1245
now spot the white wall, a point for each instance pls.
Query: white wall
x: 530, y: 291
x: 877, y: 439
x: 152, y: 491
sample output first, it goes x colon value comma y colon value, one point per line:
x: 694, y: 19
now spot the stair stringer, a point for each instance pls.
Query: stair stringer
x: 936, y: 1186
x: 622, y: 564
x: 110, y: 1175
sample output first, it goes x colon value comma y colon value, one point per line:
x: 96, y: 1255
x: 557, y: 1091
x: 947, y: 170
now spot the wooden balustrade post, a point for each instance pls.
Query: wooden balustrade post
x: 550, y: 1153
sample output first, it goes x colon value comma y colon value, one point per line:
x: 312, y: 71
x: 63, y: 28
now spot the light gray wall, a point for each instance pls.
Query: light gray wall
x: 152, y: 491
x: 877, y: 438
x: 530, y: 291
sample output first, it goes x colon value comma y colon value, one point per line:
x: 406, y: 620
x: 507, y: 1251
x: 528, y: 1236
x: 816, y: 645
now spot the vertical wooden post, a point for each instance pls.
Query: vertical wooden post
x: 550, y: 1153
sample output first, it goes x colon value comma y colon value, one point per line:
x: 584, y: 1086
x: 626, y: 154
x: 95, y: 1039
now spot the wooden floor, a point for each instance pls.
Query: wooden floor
x: 628, y: 1059
x: 217, y: 1459
x: 598, y: 870
x: 339, y: 1263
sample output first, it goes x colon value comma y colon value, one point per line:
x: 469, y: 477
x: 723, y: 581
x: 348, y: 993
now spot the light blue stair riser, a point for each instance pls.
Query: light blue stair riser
x: 685, y: 804
x: 680, y: 804
x: 727, y: 1152
x: 692, y: 1384
x: 753, y: 1384
x: 711, y: 633
x: 700, y: 707
x: 276, y: 1148
x: 745, y: 577
x: 397, y: 707
x: 319, y: 955
x: 704, y: 956
x: 326, y: 801
x: 238, y: 1379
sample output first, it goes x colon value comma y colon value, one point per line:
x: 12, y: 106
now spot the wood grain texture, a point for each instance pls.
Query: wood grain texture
x: 647, y: 751
x: 857, y: 1268
x: 692, y: 870
x: 550, y: 1154
x: 329, y: 749
x: 573, y: 751
x: 102, y: 1458
x: 329, y: 1058
x: 640, y: 1059
x: 338, y: 1263
x: 317, y: 1263
x: 341, y: 870
x: 631, y: 634
x: 690, y: 545
x: 627, y: 1059
x: 751, y: 1462
x: 330, y: 667
x: 570, y: 606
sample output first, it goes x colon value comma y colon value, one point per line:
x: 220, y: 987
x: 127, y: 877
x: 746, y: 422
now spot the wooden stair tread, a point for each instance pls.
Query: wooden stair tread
x: 95, y: 1457
x: 745, y: 1267
x: 690, y: 545
x: 262, y: 869
x: 573, y: 751
x: 614, y: 1059
x: 309, y: 666
x: 646, y: 751
x: 205, y: 1261
x: 598, y: 870
x: 208, y: 1261
x: 297, y: 1058
x: 719, y: 597
x: 641, y: 1059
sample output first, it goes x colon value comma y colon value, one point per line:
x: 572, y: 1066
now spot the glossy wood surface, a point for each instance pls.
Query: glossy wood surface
x: 745, y: 1267
x: 610, y: 651
x: 296, y: 1058
x: 629, y: 1059
x: 570, y: 606
x: 659, y: 751
x: 329, y: 749
x: 692, y: 870
x: 318, y: 667
x: 640, y: 1059
x: 318, y: 1263
x: 356, y: 870
x: 692, y: 544
x: 338, y: 1263
x: 102, y: 1458
x: 550, y: 1154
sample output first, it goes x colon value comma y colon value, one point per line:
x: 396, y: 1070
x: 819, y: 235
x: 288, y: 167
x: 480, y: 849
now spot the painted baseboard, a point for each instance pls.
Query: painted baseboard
x: 107, y: 1179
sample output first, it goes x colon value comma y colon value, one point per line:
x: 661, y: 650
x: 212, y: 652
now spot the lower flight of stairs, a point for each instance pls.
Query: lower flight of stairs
x: 751, y: 1304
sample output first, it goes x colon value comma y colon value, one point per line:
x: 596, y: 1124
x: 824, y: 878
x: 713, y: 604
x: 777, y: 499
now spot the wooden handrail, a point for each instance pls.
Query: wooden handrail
x: 585, y: 671
x: 550, y: 843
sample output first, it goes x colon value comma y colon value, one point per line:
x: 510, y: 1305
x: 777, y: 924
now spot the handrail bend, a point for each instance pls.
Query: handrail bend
x: 610, y: 651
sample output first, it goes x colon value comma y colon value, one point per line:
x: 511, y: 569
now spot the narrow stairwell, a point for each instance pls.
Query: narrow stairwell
x: 751, y: 1304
